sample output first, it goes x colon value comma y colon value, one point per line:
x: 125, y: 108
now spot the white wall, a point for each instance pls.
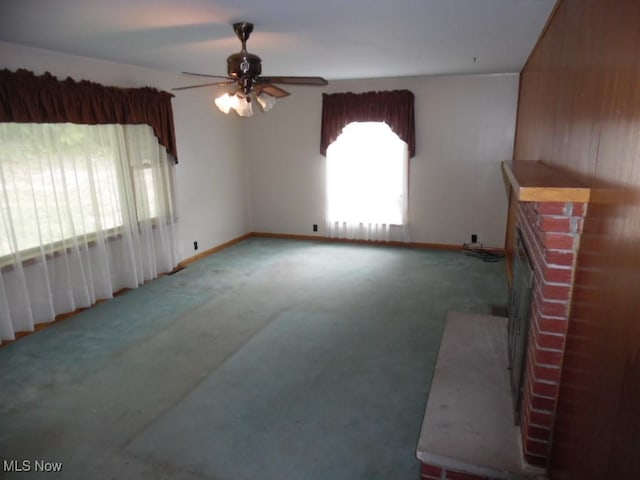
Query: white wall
x: 212, y: 175
x: 464, y: 128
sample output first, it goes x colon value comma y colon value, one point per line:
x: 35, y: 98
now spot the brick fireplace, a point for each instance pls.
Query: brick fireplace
x: 551, y: 233
x: 488, y: 365
x: 549, y: 214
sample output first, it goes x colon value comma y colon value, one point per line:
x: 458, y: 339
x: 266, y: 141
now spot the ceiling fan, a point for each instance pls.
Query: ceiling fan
x: 245, y: 70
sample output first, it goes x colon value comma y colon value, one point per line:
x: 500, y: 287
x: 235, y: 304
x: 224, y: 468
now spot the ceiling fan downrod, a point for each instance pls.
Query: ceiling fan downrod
x: 243, y: 31
x: 244, y: 66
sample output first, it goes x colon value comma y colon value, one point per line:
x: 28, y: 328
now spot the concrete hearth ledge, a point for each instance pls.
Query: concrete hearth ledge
x: 468, y: 424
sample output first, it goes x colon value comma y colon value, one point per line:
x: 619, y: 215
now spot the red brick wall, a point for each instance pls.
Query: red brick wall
x: 552, y: 236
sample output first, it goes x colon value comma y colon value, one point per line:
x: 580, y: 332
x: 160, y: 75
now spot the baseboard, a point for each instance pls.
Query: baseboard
x: 211, y: 251
x: 290, y: 236
x: 320, y: 238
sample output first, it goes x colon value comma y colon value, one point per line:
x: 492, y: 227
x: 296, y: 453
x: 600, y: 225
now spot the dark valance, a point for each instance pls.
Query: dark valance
x: 27, y: 98
x: 395, y: 108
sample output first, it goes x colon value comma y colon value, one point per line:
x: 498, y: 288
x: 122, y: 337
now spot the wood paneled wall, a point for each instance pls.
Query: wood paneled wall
x: 579, y: 110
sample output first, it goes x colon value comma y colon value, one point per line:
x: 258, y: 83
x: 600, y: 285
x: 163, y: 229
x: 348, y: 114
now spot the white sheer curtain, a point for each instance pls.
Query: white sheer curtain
x: 367, y: 184
x: 85, y: 211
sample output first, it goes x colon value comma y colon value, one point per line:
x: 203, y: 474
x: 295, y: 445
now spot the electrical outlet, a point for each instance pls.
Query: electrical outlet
x: 315, y: 227
x: 195, y: 245
x: 474, y: 238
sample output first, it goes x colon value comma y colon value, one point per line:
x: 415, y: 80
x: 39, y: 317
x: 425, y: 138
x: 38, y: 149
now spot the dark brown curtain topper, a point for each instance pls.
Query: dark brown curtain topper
x: 27, y: 98
x: 395, y: 108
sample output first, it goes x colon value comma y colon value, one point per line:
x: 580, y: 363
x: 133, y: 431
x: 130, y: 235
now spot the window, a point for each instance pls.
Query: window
x: 60, y: 181
x: 366, y: 182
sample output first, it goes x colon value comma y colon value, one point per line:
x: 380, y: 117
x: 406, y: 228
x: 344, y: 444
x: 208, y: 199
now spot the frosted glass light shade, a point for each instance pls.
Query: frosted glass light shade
x: 243, y: 104
x: 244, y: 107
x: 226, y: 102
x: 266, y: 101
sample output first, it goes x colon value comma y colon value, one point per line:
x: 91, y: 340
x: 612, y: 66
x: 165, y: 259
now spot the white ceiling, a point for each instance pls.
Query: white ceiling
x: 336, y: 39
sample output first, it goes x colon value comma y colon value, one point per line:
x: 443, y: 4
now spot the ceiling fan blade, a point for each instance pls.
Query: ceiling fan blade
x: 219, y: 84
x: 209, y: 76
x: 296, y: 80
x: 272, y: 90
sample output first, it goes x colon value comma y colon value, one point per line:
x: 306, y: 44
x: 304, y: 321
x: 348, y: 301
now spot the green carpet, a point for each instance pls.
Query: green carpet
x: 273, y: 359
x: 311, y: 396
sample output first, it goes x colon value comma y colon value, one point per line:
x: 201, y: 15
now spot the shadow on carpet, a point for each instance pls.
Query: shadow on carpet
x: 309, y: 397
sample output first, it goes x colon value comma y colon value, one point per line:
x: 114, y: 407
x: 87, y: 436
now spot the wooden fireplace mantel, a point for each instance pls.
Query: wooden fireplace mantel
x: 534, y: 181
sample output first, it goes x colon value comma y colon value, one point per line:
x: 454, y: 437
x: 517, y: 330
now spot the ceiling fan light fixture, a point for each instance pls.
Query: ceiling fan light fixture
x: 236, y: 101
x: 266, y: 101
x: 244, y: 107
x: 226, y: 102
x: 244, y: 71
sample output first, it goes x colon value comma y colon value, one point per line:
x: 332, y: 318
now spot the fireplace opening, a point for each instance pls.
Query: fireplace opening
x: 519, y: 312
